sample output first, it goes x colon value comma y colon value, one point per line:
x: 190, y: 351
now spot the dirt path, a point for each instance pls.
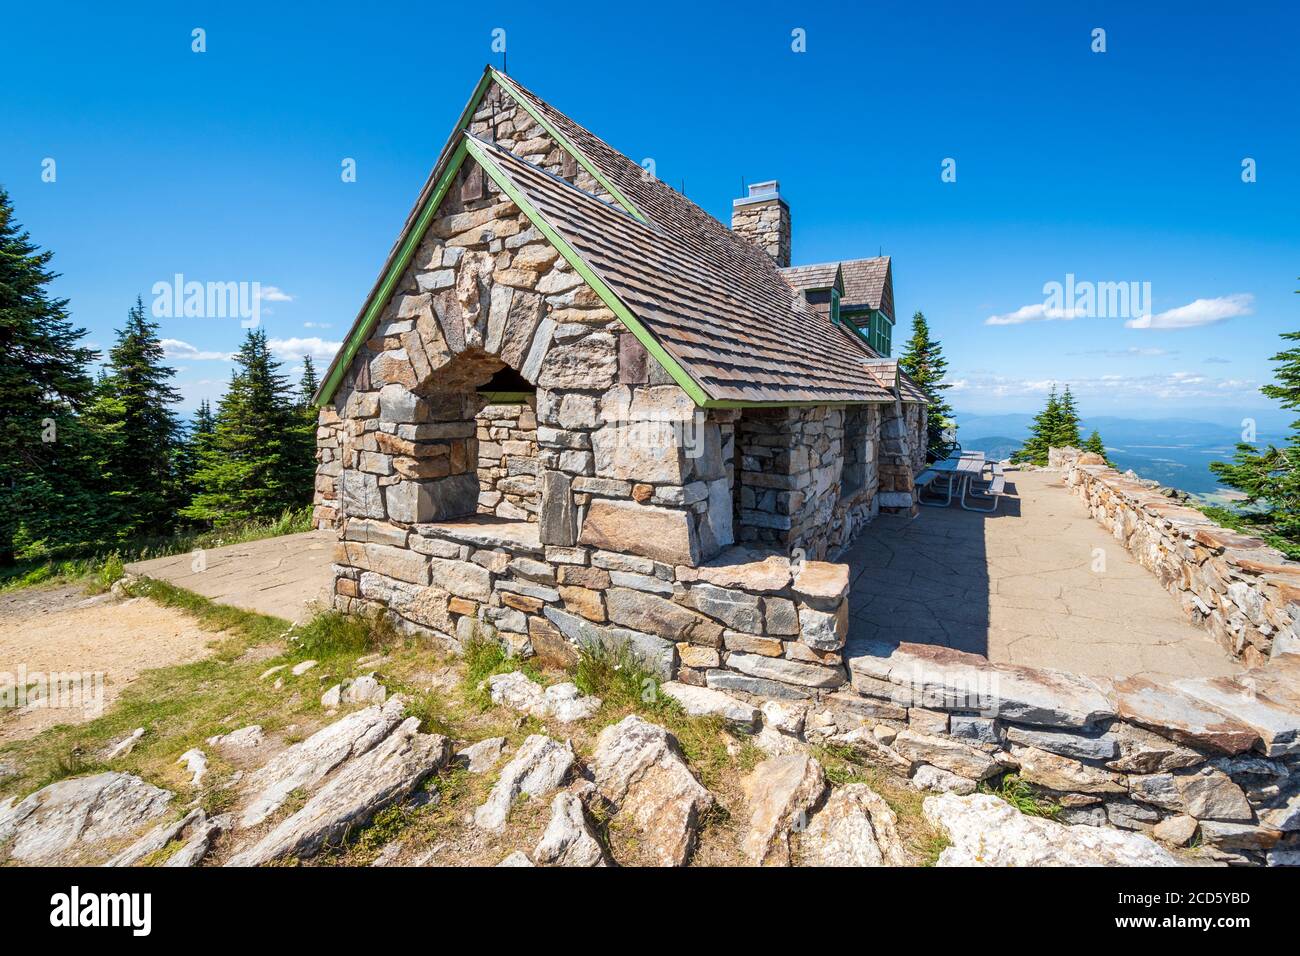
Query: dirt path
x: 104, y: 641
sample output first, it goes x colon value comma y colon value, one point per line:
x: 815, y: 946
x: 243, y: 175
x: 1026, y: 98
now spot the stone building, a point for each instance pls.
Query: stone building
x: 576, y: 408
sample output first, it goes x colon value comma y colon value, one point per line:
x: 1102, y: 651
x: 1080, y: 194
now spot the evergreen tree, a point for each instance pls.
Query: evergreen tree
x: 197, y: 435
x: 1272, y: 477
x: 253, y: 466
x: 1095, y: 445
x: 1066, y: 433
x: 924, y: 363
x: 46, y: 496
x: 1042, y: 432
x: 135, y: 409
x: 308, y: 384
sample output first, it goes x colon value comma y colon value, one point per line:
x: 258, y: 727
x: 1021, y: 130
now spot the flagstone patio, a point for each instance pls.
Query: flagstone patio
x: 1037, y: 583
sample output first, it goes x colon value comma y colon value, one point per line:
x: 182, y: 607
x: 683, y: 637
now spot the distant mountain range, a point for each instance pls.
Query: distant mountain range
x: 1173, y: 451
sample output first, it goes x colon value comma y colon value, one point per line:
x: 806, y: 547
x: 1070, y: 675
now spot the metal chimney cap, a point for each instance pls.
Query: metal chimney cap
x: 761, y: 192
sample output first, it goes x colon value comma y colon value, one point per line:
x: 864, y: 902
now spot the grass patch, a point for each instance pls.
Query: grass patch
x: 1023, y: 797
x: 335, y: 634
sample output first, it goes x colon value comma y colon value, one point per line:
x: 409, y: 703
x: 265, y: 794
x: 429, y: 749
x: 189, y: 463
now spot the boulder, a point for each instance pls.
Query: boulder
x: 157, y: 838
x: 239, y: 742
x: 538, y: 767
x: 564, y: 702
x: 638, y: 768
x: 569, y: 840
x: 307, y: 763
x: 985, y: 830
x: 483, y: 756
x: 388, y: 772
x: 936, y: 780
x: 517, y: 858
x: 77, y: 813
x: 855, y: 828
x: 781, y: 793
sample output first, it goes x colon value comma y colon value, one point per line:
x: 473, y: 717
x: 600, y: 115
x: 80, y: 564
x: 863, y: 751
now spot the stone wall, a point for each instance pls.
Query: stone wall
x: 1211, y: 760
x: 507, y: 461
x: 902, y: 455
x: 326, y: 511
x: 1242, y: 591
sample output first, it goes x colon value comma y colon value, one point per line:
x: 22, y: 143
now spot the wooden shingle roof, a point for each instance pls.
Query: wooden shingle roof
x: 715, y: 304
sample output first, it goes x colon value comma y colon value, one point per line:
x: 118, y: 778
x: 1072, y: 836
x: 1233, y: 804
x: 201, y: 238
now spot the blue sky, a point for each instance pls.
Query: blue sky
x: 1117, y: 166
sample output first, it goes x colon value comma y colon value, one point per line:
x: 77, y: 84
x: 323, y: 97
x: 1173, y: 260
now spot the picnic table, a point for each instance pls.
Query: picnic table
x: 962, y: 470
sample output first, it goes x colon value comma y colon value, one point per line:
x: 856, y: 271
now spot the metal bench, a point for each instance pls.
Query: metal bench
x: 924, y: 481
x: 992, y: 491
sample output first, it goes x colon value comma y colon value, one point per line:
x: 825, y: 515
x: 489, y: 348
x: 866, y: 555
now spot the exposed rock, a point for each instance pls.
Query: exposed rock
x: 306, y: 763
x: 302, y: 667
x: 198, y: 841
x: 568, y: 840
x: 946, y: 754
x: 638, y: 768
x: 239, y: 741
x: 125, y: 745
x: 564, y: 701
x: 517, y: 858
x: 196, y: 763
x: 389, y: 771
x: 1178, y: 830
x: 704, y: 701
x: 77, y: 813
x: 157, y: 838
x: 987, y: 831
x: 781, y: 792
x: 483, y: 756
x: 538, y: 767
x: 855, y: 828
x: 937, y: 780
x: 1062, y: 774
x: 786, y: 718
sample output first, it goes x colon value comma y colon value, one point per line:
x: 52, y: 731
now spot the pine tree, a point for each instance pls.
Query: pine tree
x: 135, y: 407
x: 253, y: 466
x: 308, y: 384
x: 1095, y: 445
x: 1042, y: 432
x: 44, y: 493
x: 1272, y: 478
x: 924, y: 363
x: 1066, y: 433
x: 190, y: 455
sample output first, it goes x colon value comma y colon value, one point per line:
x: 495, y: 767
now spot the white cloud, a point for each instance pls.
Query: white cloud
x: 1127, y: 353
x: 176, y: 349
x: 1038, y: 312
x: 1165, y: 387
x: 1198, y: 313
x: 296, y: 348
x: 273, y: 293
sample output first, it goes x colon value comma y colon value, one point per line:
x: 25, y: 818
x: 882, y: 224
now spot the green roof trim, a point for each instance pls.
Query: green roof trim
x: 379, y: 300
x: 572, y: 150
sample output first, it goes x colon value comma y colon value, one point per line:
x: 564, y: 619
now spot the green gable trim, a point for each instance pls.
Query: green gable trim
x: 573, y: 151
x: 379, y: 301
x: 580, y: 266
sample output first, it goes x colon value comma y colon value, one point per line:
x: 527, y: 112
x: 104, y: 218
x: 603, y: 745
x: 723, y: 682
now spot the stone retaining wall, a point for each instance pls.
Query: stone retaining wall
x: 1211, y: 759
x: 1242, y: 591
x: 326, y: 512
x: 507, y: 461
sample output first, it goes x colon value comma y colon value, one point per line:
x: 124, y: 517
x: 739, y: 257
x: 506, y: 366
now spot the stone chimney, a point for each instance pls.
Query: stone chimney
x: 763, y: 218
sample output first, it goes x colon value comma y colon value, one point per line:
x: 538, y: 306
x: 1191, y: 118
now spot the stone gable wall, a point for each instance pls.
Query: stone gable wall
x: 1246, y: 594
